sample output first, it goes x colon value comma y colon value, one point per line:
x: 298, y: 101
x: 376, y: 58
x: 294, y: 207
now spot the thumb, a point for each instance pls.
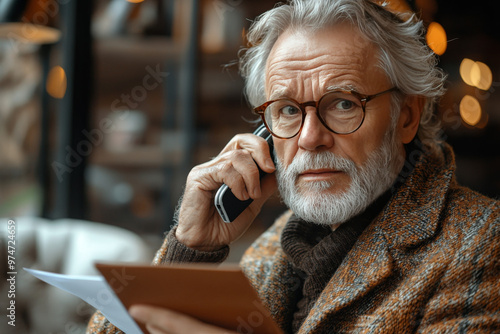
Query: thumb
x: 269, y: 186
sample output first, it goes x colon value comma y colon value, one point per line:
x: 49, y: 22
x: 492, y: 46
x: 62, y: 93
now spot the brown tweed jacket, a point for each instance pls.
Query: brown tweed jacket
x: 429, y: 263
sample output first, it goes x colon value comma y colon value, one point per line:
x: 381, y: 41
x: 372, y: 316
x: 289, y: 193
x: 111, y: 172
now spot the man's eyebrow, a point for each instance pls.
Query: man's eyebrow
x: 345, y: 87
x: 279, y: 93
x: 284, y: 91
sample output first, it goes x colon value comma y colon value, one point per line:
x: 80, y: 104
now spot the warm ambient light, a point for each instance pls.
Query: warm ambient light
x: 481, y: 76
x: 475, y: 73
x: 395, y: 6
x: 465, y: 70
x: 436, y: 38
x: 470, y: 110
x: 29, y: 33
x: 135, y: 1
x: 56, y: 82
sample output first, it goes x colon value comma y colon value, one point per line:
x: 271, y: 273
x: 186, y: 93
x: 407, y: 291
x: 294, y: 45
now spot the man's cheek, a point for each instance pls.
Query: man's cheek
x: 285, y: 150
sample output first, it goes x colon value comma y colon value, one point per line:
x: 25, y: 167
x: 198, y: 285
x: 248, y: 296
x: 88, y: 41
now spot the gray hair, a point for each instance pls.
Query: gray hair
x: 409, y: 64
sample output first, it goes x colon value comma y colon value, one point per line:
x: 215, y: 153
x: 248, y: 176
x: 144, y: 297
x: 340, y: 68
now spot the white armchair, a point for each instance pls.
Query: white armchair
x: 64, y: 246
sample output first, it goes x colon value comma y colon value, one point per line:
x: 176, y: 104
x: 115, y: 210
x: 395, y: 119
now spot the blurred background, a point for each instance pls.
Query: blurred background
x: 106, y: 105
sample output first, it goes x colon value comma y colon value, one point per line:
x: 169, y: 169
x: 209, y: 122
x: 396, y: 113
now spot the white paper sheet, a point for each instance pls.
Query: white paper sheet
x: 95, y: 291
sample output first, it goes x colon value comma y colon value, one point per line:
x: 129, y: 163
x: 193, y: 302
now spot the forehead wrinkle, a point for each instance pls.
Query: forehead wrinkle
x: 289, y: 72
x: 340, y: 62
x: 279, y: 93
x: 297, y: 82
x: 325, y: 68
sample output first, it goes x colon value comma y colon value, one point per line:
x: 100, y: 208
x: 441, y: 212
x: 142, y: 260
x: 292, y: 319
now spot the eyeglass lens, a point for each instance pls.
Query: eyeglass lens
x: 340, y: 112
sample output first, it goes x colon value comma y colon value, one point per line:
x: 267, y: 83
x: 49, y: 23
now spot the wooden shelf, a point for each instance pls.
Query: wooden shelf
x: 136, y: 157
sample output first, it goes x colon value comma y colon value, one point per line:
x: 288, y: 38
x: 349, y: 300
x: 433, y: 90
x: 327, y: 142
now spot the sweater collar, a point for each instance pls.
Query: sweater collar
x: 301, y: 239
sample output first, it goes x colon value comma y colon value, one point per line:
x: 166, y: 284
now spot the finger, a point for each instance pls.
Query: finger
x: 163, y: 321
x: 269, y: 187
x: 262, y: 154
x: 238, y: 171
x: 141, y: 313
x: 257, y: 146
x: 210, y: 176
x: 246, y: 166
x: 155, y: 330
x: 228, y: 175
x: 157, y: 320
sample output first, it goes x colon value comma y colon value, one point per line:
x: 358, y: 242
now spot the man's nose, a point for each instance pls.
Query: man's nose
x: 314, y: 135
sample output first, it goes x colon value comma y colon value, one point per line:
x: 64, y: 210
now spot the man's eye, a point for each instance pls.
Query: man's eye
x: 289, y: 110
x: 344, y: 105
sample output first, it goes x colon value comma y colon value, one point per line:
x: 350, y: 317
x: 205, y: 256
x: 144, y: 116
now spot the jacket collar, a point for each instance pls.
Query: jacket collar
x: 412, y: 214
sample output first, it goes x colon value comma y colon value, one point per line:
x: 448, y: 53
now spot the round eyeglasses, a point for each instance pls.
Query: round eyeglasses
x: 340, y: 111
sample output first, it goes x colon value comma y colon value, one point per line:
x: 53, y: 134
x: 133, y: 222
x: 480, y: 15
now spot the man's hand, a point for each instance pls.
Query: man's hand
x: 200, y: 225
x: 162, y: 321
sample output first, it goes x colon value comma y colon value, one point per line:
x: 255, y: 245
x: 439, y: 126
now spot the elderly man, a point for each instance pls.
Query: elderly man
x: 379, y: 236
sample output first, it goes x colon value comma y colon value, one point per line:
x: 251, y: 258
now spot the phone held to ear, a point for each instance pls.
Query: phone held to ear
x: 228, y: 206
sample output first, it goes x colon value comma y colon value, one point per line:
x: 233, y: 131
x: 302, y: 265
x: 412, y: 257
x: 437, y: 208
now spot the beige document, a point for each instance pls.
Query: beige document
x: 218, y: 295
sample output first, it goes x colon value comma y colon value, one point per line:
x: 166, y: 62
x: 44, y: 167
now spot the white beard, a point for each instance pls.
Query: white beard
x: 313, y: 203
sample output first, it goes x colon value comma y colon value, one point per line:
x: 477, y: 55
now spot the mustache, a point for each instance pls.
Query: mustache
x: 318, y: 160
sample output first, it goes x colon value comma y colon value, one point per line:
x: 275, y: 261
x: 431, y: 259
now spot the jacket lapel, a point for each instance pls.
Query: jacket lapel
x: 412, y: 216
x: 366, y: 266
x: 272, y: 274
x: 280, y: 290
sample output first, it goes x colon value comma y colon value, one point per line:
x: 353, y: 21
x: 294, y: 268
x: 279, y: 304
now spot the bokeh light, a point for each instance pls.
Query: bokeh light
x: 476, y: 73
x: 483, y: 122
x: 135, y: 1
x: 29, y: 33
x: 436, y: 38
x: 470, y: 110
x: 56, y: 82
x: 480, y: 75
x: 465, y: 70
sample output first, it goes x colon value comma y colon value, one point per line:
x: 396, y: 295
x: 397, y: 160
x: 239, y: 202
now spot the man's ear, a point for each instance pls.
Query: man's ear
x: 409, y: 118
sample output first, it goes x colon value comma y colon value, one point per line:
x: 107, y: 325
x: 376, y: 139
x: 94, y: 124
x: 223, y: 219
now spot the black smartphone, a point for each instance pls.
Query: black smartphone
x: 228, y: 206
